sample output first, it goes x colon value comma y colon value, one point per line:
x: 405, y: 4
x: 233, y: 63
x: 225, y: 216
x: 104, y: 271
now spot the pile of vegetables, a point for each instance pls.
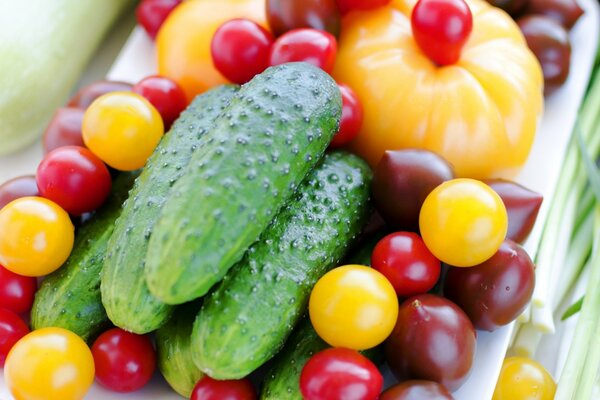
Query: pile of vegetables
x: 225, y: 221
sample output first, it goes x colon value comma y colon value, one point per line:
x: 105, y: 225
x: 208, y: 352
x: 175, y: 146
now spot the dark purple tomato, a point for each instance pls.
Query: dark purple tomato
x: 565, y: 12
x: 285, y: 15
x: 22, y: 186
x: 495, y: 292
x: 522, y: 206
x: 417, y: 390
x: 433, y: 340
x: 64, y: 129
x: 549, y: 41
x: 510, y: 6
x: 402, y: 181
x: 87, y: 94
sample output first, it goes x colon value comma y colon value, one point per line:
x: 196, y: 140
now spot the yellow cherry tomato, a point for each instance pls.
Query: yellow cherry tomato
x: 183, y: 42
x: 50, y: 363
x: 36, y: 236
x: 463, y: 222
x: 354, y: 307
x: 122, y: 129
x: 524, y: 379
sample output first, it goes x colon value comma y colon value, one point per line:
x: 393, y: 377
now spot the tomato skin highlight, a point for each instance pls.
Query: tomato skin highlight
x: 522, y: 378
x: 165, y: 95
x: 152, y: 13
x: 16, y: 291
x: 208, y: 388
x: 12, y: 329
x: 64, y: 129
x: 22, y: 186
x: 87, y: 94
x: 352, y: 117
x: 340, y: 373
x: 417, y: 390
x: 318, y: 48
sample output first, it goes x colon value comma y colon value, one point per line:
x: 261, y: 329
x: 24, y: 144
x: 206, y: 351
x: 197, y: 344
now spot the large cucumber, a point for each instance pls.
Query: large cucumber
x: 124, y: 292
x: 174, y: 352
x: 248, y: 317
x: 274, y: 131
x: 70, y: 297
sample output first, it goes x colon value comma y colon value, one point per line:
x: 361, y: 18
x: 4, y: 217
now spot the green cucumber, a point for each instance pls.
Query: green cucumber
x: 70, y: 297
x: 125, y: 295
x: 273, y: 133
x: 248, y: 317
x: 174, y: 353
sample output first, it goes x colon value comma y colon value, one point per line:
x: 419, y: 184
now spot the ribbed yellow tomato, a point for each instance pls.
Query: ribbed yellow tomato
x: 524, y: 379
x: 36, y: 236
x: 480, y: 113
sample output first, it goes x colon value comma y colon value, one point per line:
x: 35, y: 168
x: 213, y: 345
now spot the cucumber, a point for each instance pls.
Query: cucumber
x: 70, y: 297
x: 173, y: 350
x: 248, y: 317
x: 125, y: 295
x: 274, y: 131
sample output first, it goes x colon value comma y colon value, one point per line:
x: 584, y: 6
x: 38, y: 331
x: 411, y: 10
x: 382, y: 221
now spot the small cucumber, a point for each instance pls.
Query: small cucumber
x: 70, y: 297
x: 272, y: 134
x: 248, y: 317
x: 174, y: 353
x: 125, y: 295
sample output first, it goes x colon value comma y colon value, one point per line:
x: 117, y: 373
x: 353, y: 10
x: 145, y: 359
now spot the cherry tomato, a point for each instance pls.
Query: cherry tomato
x: 433, y: 340
x: 41, y: 236
x: 22, y: 186
x: 87, y: 94
x: 565, y: 12
x: 522, y: 378
x: 349, y: 5
x: 240, y: 49
x: 124, y: 361
x: 463, y: 222
x: 74, y: 178
x: 352, y: 117
x: 309, y: 45
x: 417, y: 390
x: 16, y: 291
x: 64, y: 129
x: 285, y: 15
x: 353, y: 306
x: 441, y: 28
x: 165, y: 95
x: 406, y: 262
x: 12, y: 329
x: 208, y: 388
x: 340, y: 373
x: 123, y: 129
x: 152, y: 13
x: 59, y: 366
x: 402, y: 181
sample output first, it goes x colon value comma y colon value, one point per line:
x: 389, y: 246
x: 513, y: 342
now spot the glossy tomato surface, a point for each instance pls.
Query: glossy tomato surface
x: 339, y: 373
x: 353, y: 306
x: 12, y: 329
x: 565, y: 12
x: 64, y: 129
x: 407, y: 263
x: 352, y: 117
x: 522, y: 378
x: 433, y: 340
x: 152, y: 13
x: 59, y: 366
x: 124, y: 361
x: 417, y: 390
x: 211, y: 389
x: 16, y: 291
x: 22, y: 186
x: 87, y: 94
x: 402, y: 181
x: 165, y: 95
x: 285, y: 15
x: 315, y: 47
x: 349, y: 5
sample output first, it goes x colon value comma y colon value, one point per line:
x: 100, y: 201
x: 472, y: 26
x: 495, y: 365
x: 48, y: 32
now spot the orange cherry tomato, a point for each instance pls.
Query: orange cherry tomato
x: 524, y: 379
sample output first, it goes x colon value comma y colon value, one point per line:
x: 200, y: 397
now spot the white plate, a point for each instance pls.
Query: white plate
x: 540, y: 174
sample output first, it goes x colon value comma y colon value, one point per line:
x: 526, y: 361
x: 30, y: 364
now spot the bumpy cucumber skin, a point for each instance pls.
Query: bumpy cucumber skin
x: 248, y: 317
x: 70, y: 297
x: 272, y: 134
x: 125, y: 295
x: 174, y: 353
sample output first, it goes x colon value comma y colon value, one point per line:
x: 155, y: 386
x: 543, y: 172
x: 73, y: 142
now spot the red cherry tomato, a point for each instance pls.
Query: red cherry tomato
x: 441, y: 28
x: 349, y: 5
x: 87, y: 94
x: 22, y: 186
x: 240, y: 49
x: 165, y: 95
x: 340, y: 373
x: 310, y: 45
x: 74, y: 178
x: 352, y: 117
x: 64, y: 129
x: 16, y: 291
x: 152, y: 13
x: 208, y: 388
x: 124, y: 361
x: 12, y: 328
x: 407, y: 263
